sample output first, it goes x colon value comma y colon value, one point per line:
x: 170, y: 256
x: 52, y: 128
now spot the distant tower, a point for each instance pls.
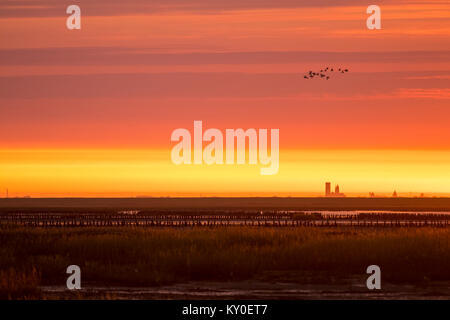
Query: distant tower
x: 7, y: 196
x: 394, y: 195
x: 336, y: 190
x: 327, y: 189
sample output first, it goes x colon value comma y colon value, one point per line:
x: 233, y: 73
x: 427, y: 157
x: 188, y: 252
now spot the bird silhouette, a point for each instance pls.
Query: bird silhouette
x: 323, y: 73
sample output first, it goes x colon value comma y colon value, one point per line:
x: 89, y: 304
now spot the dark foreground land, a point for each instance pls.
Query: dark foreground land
x: 224, y: 262
x: 108, y: 204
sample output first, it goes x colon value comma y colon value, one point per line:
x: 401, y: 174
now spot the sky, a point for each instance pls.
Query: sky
x: 90, y: 112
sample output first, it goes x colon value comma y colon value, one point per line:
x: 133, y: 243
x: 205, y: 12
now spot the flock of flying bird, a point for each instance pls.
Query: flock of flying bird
x: 323, y: 73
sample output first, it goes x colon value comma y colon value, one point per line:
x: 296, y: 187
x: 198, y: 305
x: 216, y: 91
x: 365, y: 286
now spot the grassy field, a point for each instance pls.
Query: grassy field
x: 209, y: 204
x: 155, y: 256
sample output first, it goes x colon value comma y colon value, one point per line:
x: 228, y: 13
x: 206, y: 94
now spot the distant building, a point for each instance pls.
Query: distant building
x: 327, y: 189
x: 394, y: 195
x: 336, y: 192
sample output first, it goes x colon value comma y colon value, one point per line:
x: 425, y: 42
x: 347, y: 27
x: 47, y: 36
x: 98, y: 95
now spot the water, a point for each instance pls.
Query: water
x: 349, y: 288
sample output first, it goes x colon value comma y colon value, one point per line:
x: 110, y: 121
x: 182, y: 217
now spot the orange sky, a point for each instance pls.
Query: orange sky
x: 90, y: 112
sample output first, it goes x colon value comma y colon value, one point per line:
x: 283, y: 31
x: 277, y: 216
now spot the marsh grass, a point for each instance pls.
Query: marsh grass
x: 16, y: 284
x: 156, y: 256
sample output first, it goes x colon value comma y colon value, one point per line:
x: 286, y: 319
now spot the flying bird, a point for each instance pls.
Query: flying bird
x: 322, y: 73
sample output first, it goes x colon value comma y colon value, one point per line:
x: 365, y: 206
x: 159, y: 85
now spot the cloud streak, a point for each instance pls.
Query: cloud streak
x: 136, y: 56
x: 53, y: 8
